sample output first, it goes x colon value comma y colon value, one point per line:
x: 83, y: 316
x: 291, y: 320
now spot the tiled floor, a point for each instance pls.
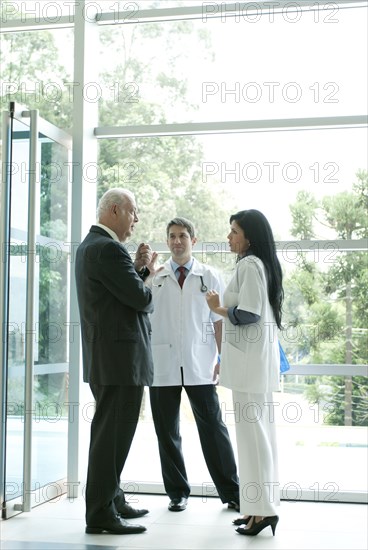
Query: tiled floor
x: 59, y: 525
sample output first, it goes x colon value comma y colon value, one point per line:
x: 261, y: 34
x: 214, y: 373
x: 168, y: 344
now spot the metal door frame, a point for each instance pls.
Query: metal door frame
x: 37, y: 126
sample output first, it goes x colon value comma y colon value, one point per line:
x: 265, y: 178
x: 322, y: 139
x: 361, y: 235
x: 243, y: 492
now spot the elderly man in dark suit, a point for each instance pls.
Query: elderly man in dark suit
x: 114, y: 304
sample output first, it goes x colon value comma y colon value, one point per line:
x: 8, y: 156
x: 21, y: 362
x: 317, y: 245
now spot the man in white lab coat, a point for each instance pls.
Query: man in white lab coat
x: 186, y: 344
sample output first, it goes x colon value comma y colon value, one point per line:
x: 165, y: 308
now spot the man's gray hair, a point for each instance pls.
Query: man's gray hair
x: 116, y: 195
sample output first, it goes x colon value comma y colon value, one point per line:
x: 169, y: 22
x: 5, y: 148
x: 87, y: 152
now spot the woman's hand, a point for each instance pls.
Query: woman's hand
x: 213, y: 300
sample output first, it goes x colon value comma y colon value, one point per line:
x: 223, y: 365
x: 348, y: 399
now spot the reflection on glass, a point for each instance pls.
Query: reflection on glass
x: 51, y: 367
x: 50, y: 395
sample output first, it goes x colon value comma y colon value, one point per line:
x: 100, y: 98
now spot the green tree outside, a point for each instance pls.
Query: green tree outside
x: 332, y: 297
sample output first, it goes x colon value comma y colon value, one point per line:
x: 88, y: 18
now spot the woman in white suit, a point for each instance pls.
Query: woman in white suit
x: 250, y: 364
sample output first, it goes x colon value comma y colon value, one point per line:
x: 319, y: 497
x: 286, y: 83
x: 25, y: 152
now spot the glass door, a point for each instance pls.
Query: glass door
x: 34, y: 305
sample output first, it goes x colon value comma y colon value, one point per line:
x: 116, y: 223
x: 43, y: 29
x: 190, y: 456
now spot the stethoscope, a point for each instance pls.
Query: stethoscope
x: 203, y: 286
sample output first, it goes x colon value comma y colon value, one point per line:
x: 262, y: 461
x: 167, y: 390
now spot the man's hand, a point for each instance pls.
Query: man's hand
x: 143, y: 256
x: 216, y: 373
x: 153, y: 269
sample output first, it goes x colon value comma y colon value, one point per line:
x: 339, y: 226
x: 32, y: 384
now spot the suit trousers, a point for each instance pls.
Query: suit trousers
x: 112, y: 430
x: 257, y: 453
x: 214, y: 437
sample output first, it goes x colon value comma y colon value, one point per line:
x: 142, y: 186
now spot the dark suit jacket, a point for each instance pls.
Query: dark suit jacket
x: 114, y: 305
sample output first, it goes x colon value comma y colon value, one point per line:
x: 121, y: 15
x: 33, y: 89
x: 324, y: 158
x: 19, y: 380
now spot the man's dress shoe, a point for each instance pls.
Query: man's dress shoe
x: 127, y: 512
x: 178, y: 504
x: 114, y: 526
x: 234, y: 505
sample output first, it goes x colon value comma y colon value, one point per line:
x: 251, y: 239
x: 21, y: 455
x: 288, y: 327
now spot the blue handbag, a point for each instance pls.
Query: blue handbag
x: 284, y: 363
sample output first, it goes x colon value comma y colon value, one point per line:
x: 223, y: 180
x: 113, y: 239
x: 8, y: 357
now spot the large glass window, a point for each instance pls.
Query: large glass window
x: 308, y: 182
x: 312, y: 446
x: 262, y: 63
x: 208, y: 177
x: 321, y: 418
x: 30, y: 78
x: 300, y: 61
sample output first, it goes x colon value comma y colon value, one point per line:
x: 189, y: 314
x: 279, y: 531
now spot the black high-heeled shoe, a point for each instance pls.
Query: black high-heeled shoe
x: 258, y: 527
x: 241, y: 521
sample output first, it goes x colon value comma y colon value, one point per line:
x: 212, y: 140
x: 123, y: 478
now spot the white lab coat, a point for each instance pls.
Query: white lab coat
x: 183, y: 342
x: 250, y: 353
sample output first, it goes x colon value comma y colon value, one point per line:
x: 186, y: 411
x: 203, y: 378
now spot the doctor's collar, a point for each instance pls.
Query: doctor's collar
x: 187, y: 266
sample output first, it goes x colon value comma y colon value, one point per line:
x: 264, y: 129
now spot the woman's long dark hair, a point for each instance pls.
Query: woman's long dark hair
x: 258, y: 231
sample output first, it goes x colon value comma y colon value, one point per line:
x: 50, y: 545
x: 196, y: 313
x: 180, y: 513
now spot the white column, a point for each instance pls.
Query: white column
x: 83, y: 213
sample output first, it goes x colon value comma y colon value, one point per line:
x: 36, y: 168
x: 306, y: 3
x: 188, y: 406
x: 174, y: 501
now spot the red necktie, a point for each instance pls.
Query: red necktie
x: 181, y: 279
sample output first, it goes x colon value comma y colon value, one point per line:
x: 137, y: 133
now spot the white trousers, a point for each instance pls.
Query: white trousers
x: 257, y: 453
